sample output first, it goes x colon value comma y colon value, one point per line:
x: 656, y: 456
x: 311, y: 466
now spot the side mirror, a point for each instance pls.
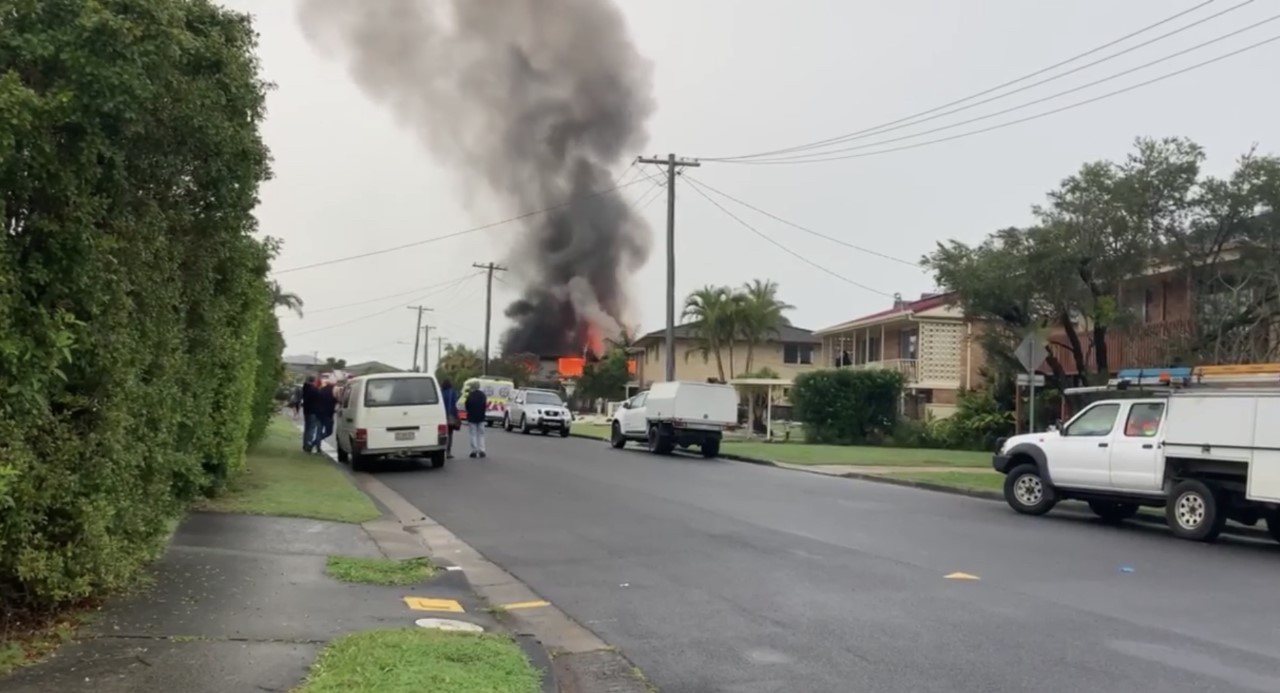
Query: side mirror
x: 626, y: 405
x: 1053, y: 428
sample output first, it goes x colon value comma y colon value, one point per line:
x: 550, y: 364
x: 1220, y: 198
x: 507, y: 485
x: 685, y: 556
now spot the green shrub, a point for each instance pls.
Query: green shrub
x: 133, y: 299
x: 976, y: 424
x: 845, y: 406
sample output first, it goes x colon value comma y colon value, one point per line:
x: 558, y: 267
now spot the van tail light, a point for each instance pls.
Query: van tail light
x: 362, y: 437
x: 442, y: 431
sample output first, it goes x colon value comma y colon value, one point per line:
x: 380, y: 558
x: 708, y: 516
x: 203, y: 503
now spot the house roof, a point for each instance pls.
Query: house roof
x: 786, y: 333
x: 901, y: 309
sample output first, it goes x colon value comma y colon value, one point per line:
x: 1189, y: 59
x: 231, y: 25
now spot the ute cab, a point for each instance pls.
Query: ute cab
x: 391, y: 415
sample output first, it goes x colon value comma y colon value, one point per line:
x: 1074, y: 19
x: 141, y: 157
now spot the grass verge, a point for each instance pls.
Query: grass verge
x: 970, y: 481
x: 849, y: 455
x: 379, y: 571
x: 25, y: 641
x: 280, y: 479
x: 417, y: 660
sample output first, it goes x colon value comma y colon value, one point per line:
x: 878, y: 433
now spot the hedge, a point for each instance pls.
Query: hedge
x: 136, y: 330
x: 846, y: 406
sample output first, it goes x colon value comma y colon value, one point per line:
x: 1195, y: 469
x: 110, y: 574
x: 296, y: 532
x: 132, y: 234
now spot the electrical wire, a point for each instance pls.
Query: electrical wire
x: 801, y: 158
x: 792, y: 224
x: 1023, y: 78
x: 697, y: 188
x: 943, y: 114
x: 456, y: 234
x: 310, y: 312
x: 398, y: 306
x: 1017, y: 121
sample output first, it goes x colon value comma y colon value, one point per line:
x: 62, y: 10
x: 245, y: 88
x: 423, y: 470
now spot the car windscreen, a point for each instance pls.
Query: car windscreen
x: 401, y: 392
x: 547, y: 398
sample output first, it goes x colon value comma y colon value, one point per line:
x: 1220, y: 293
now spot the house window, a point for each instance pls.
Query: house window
x: 1141, y: 304
x: 797, y: 353
x: 908, y: 345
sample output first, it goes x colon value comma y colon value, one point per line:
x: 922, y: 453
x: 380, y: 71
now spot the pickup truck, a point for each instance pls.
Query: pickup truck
x: 1204, y: 456
x: 677, y: 414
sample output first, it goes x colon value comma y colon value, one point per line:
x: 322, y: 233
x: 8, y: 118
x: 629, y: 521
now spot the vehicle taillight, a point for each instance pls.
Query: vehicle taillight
x: 442, y: 430
x: 362, y: 437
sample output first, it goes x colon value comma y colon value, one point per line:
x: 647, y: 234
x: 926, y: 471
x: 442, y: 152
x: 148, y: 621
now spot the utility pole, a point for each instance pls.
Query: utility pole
x: 488, y: 306
x: 426, y: 349
x: 439, y: 350
x: 672, y: 163
x: 417, y: 334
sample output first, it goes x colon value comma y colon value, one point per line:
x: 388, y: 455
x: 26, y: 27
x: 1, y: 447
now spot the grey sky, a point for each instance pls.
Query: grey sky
x: 736, y: 77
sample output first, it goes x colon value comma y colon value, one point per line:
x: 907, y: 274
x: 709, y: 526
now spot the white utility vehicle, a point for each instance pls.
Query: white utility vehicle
x: 391, y: 414
x: 532, y: 410
x: 1206, y: 448
x: 677, y: 414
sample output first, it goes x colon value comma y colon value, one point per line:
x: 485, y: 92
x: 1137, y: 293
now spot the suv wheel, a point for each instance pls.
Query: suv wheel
x: 1193, y: 511
x: 1026, y: 492
x: 506, y: 423
x: 524, y: 425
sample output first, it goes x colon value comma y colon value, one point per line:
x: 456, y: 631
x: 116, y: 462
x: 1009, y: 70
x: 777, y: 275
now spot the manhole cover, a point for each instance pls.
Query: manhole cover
x: 449, y: 624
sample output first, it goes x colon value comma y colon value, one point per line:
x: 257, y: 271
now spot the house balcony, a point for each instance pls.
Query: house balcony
x: 909, y: 368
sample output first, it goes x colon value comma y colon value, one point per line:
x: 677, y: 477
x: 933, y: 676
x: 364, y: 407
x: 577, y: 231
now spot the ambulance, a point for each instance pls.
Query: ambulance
x: 497, y: 392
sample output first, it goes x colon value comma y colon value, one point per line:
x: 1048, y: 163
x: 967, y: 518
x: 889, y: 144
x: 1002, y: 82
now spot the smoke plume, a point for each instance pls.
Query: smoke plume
x: 535, y: 102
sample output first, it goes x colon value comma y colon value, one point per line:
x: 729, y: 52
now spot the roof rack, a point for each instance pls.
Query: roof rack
x: 1170, y: 379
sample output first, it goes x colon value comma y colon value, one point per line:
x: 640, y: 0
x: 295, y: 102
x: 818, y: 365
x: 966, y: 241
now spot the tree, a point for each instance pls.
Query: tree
x: 606, y: 378
x: 284, y: 299
x: 711, y: 311
x: 333, y: 364
x: 760, y: 314
x: 459, y: 363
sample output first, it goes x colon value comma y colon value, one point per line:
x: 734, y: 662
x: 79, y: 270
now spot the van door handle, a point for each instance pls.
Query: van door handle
x: 1147, y: 446
x: 1102, y: 445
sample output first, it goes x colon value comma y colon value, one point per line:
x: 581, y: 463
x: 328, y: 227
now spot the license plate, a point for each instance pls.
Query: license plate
x: 405, y: 435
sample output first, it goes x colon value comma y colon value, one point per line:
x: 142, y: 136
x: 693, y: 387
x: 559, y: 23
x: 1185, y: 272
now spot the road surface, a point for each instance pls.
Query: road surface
x: 717, y: 576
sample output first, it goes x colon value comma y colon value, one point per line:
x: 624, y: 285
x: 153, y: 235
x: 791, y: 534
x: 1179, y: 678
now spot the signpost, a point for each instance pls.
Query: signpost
x: 1030, y: 353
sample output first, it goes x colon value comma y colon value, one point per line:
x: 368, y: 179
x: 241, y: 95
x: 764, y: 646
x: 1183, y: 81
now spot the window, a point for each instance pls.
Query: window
x: 346, y: 395
x: 797, y: 353
x: 908, y: 345
x: 1144, y: 420
x: 548, y: 398
x: 400, y: 392
x: 1095, y: 421
x: 638, y: 400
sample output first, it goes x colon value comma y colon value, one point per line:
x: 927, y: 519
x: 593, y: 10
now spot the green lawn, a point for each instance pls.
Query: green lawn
x: 422, y: 661
x: 280, y: 479
x: 980, y: 481
x: 379, y: 571
x: 864, y: 455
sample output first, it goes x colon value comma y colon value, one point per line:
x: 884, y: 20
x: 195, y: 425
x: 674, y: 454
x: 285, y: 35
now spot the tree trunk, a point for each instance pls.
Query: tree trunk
x: 1101, y: 357
x: 1073, y: 339
x: 750, y: 356
x: 719, y: 362
x: 731, y: 370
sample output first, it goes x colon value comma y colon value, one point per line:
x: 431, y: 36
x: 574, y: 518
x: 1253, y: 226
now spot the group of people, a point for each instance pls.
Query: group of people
x: 476, y: 405
x: 318, y: 402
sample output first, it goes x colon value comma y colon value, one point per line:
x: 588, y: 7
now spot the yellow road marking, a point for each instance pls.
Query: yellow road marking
x: 525, y: 605
x: 428, y: 604
x: 961, y: 576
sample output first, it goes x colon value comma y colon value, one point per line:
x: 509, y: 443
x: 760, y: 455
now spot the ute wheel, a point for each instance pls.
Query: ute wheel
x: 710, y: 449
x: 564, y: 433
x: 1273, y: 522
x: 1193, y: 511
x: 1112, y: 511
x: 343, y: 457
x: 659, y: 443
x: 1027, y: 493
x: 546, y: 431
x: 615, y: 436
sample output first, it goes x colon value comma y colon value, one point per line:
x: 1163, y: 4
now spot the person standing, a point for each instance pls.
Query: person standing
x: 325, y: 408
x: 309, y: 421
x: 450, y: 397
x: 476, y: 405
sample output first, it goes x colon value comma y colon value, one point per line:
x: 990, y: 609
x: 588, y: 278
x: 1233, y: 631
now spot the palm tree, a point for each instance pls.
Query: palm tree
x: 759, y: 314
x: 710, y: 309
x: 284, y: 299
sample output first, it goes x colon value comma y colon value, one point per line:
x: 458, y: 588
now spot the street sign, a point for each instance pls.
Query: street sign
x: 1025, y: 380
x: 1030, y: 351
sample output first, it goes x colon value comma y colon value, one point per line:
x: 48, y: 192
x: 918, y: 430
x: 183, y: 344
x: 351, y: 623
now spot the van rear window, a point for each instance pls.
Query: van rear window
x: 401, y: 392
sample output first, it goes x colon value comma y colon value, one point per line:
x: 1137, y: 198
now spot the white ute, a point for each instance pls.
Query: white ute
x: 1205, y: 454
x: 677, y: 414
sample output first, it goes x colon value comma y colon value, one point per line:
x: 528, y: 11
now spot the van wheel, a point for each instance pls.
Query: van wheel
x: 1027, y: 493
x: 1113, y: 512
x: 1193, y: 511
x: 437, y: 460
x: 343, y: 457
x: 359, y: 462
x: 615, y: 437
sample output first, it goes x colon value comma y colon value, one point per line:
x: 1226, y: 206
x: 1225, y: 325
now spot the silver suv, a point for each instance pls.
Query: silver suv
x: 542, y: 410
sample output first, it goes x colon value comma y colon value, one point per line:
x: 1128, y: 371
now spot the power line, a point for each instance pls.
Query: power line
x: 456, y: 234
x: 420, y: 289
x: 398, y: 306
x: 875, y: 132
x: 998, y: 126
x: 1037, y: 73
x: 802, y: 158
x: 697, y: 187
x: 809, y: 231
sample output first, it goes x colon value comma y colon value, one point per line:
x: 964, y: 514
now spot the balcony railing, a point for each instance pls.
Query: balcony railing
x: 907, y: 367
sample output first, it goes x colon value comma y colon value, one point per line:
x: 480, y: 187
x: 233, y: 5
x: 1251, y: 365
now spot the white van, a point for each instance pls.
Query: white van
x: 391, y: 414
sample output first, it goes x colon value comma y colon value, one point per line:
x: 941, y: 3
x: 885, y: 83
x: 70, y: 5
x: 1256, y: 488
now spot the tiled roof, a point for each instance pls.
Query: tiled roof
x: 924, y: 303
x: 786, y: 333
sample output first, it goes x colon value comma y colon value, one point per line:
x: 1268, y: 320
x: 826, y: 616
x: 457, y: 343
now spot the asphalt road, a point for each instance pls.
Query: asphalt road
x: 717, y: 576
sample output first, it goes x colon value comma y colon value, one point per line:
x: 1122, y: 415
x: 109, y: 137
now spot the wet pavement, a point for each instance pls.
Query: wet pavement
x: 238, y: 603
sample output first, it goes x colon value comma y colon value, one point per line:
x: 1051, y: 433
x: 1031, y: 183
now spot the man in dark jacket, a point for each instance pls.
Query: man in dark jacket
x: 310, y: 423
x: 477, y: 406
x: 325, y: 407
x: 450, y: 397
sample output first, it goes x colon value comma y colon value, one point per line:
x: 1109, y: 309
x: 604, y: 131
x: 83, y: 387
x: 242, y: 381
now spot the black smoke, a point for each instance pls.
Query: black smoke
x: 537, y: 102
